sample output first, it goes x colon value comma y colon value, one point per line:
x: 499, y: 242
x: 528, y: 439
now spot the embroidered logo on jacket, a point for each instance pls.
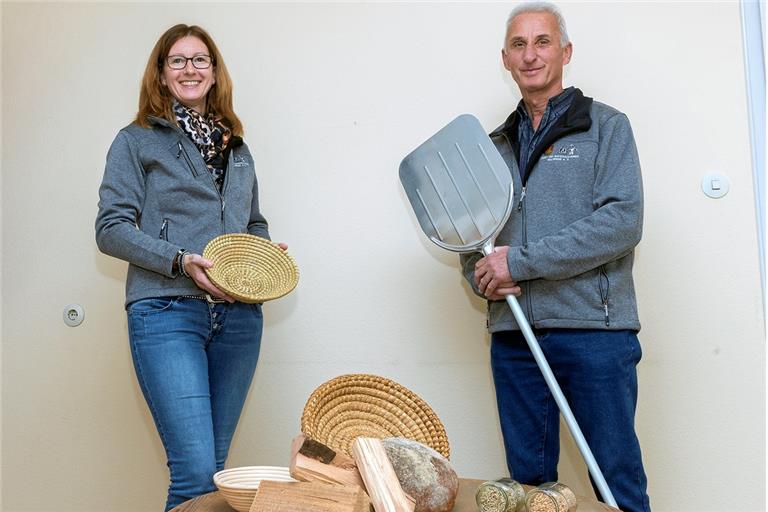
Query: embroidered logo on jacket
x: 240, y: 161
x: 563, y: 153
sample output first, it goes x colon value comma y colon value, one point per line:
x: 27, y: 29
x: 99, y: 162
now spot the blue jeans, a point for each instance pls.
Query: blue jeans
x: 596, y: 370
x: 194, y: 361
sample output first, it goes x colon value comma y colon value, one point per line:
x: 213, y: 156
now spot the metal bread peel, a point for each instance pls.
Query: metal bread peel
x: 461, y: 191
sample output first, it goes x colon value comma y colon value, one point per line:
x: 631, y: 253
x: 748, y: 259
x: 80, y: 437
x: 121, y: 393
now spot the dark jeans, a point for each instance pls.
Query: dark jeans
x: 596, y: 371
x: 194, y: 362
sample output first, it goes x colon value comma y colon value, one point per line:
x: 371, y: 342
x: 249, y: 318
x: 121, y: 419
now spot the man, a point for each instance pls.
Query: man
x: 567, y: 253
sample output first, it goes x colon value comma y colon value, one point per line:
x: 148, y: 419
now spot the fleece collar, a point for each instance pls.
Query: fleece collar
x: 575, y: 119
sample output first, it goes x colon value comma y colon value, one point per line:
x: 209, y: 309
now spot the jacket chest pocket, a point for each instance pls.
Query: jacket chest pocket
x: 164, y: 230
x: 185, y: 160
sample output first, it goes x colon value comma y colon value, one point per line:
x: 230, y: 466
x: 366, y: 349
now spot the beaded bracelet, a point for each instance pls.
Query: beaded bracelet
x: 182, y: 270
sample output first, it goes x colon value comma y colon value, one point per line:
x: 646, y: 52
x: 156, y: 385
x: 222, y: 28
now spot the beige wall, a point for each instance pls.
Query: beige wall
x: 333, y: 96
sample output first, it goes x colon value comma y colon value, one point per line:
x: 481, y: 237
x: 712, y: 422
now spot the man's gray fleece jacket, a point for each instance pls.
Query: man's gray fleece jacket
x: 157, y: 197
x: 578, y: 216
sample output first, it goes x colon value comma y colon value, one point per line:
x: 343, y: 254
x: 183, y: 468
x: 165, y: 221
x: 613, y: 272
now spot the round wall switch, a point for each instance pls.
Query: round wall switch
x: 715, y: 185
x: 74, y: 315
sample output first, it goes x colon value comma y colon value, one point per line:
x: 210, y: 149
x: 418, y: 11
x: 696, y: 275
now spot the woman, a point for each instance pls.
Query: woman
x: 176, y: 178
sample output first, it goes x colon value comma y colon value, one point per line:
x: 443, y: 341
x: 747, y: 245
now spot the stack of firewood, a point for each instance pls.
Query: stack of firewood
x: 330, y: 481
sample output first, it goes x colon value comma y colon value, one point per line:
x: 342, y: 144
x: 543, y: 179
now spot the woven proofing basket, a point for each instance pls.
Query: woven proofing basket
x: 239, y: 485
x: 249, y: 268
x: 350, y: 406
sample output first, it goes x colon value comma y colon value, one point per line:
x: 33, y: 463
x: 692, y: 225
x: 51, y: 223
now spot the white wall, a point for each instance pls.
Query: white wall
x: 333, y: 96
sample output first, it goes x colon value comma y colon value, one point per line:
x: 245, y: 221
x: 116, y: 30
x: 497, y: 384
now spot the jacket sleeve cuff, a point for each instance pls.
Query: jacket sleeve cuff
x: 168, y: 258
x: 517, y: 270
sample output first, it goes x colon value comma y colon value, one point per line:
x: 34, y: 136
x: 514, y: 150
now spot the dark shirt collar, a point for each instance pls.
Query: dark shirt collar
x: 557, y: 104
x: 528, y: 139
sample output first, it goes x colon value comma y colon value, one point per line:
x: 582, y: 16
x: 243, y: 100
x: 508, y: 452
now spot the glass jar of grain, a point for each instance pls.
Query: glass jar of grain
x: 502, y: 495
x: 550, y: 497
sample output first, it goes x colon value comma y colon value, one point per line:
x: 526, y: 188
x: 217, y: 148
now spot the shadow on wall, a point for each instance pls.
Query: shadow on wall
x: 445, y: 258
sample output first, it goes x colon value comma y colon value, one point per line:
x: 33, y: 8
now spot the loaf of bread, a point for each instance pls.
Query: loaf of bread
x: 424, y: 474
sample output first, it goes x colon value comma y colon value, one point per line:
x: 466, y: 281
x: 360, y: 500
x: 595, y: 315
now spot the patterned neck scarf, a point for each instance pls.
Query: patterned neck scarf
x: 209, y: 135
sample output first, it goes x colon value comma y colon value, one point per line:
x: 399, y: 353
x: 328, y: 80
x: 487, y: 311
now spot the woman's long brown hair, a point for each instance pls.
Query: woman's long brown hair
x: 156, y: 100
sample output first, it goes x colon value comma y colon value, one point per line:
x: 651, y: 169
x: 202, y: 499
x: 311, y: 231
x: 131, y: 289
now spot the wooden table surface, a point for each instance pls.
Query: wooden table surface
x: 465, y: 501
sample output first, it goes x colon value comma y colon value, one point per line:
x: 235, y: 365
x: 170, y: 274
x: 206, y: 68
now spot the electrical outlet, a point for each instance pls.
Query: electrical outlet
x: 74, y: 315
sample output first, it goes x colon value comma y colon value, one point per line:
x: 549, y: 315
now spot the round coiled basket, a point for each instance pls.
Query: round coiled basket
x: 250, y: 268
x: 350, y: 406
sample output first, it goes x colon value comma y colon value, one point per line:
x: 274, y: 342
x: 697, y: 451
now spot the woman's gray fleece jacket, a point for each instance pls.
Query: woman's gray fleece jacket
x: 578, y: 217
x: 157, y: 197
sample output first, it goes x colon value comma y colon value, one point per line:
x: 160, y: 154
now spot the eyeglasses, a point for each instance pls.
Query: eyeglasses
x: 201, y: 61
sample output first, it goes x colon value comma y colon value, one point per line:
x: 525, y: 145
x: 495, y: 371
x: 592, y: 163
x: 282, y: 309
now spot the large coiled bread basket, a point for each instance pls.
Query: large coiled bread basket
x: 354, y: 405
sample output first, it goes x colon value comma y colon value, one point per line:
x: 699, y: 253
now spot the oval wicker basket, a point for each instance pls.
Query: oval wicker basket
x: 250, y: 268
x: 354, y: 405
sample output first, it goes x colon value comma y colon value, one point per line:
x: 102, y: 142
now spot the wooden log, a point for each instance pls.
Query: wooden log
x: 309, y: 497
x: 340, y: 470
x: 380, y: 479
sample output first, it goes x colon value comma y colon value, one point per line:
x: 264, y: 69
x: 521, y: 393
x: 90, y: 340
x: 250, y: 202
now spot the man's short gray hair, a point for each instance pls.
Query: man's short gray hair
x: 542, y: 7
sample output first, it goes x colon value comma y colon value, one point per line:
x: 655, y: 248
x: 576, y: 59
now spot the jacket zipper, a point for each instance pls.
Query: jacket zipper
x: 183, y: 151
x: 521, y: 211
x: 164, y: 230
x: 528, y: 303
x: 604, y: 293
x: 522, y: 196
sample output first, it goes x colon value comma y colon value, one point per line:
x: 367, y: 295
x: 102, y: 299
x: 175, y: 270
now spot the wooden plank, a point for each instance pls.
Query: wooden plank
x: 211, y: 502
x: 340, y: 469
x: 380, y: 479
x: 309, y: 497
